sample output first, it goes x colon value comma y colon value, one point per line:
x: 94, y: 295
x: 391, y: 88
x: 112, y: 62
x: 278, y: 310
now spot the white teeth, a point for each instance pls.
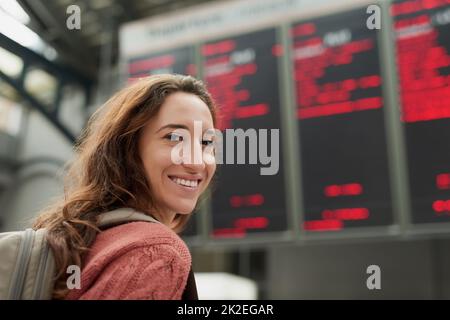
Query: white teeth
x: 187, y: 183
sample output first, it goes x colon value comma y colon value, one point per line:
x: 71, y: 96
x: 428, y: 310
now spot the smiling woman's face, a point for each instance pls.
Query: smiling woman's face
x: 176, y: 187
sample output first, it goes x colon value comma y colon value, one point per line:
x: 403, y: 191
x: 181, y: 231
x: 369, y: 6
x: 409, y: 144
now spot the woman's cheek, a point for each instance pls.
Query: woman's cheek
x: 210, y: 160
x: 166, y: 158
x: 211, y: 168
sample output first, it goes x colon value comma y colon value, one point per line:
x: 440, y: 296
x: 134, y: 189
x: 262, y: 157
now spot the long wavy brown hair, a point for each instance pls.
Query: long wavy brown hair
x: 107, y: 171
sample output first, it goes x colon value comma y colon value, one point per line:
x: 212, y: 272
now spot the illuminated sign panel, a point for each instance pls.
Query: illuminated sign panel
x: 339, y: 102
x: 242, y: 75
x: 179, y: 61
x: 422, y: 30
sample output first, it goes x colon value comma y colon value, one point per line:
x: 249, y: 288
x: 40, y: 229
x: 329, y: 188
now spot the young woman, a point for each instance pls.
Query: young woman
x: 125, y: 159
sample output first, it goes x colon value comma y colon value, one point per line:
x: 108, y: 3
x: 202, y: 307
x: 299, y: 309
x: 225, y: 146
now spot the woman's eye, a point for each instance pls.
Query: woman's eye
x: 207, y: 142
x: 174, y: 137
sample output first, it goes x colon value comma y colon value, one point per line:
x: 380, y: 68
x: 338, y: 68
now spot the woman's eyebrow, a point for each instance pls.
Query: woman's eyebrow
x: 173, y: 126
x: 210, y: 131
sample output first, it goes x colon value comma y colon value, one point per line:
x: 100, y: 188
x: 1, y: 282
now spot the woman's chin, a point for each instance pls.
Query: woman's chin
x: 184, y: 208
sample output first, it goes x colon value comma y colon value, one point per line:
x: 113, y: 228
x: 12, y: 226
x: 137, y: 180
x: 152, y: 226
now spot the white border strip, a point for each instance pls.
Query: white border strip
x: 217, y: 19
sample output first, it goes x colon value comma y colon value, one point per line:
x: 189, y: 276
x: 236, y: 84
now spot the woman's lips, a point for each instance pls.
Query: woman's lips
x: 185, y: 183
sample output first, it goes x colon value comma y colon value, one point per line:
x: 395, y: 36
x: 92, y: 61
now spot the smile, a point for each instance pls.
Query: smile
x: 192, y: 184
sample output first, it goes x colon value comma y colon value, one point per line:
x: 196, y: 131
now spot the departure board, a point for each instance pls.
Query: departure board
x: 422, y: 30
x: 179, y: 61
x: 241, y: 73
x: 340, y: 112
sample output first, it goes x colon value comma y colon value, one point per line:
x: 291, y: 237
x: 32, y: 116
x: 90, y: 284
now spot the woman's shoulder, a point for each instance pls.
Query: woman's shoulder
x: 120, y: 239
x: 136, y: 260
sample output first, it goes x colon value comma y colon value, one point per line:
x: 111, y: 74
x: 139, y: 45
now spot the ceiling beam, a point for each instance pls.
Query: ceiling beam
x: 69, y: 43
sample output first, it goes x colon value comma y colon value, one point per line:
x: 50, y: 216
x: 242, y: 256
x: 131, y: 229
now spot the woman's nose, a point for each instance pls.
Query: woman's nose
x: 194, y: 160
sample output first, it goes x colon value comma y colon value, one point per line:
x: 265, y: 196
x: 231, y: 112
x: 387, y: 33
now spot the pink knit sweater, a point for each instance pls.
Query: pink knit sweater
x: 137, y: 260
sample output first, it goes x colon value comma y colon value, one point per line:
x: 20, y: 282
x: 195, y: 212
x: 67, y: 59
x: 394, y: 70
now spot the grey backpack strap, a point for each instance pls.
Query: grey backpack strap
x: 120, y: 216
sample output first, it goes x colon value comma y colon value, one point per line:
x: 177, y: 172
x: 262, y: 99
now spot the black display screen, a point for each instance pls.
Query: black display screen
x: 242, y: 75
x: 179, y: 61
x: 422, y: 30
x: 345, y: 177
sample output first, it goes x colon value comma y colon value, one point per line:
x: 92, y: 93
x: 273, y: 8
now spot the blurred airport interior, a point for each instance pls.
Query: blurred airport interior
x: 358, y: 89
